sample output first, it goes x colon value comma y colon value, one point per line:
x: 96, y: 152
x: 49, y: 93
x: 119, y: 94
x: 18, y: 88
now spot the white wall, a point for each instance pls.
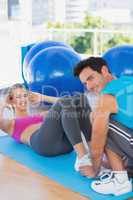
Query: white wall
x: 10, y: 65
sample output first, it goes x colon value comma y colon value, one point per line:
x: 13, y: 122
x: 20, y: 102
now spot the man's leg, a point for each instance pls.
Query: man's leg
x: 118, y: 147
x: 129, y: 167
x: 115, y: 161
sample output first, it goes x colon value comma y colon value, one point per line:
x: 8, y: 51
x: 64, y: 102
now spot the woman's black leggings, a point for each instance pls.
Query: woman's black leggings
x: 62, y: 127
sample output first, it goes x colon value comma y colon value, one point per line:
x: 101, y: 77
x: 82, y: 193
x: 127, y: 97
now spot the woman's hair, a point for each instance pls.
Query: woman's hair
x: 12, y: 88
x: 8, y: 94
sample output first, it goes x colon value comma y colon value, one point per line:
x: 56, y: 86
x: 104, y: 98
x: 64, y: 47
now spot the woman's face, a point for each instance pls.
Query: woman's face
x: 20, y: 99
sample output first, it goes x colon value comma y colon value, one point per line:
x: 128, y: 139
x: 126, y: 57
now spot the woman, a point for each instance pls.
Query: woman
x: 56, y: 132
x: 18, y: 99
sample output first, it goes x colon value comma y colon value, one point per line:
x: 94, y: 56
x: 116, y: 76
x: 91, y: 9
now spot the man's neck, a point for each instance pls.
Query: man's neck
x: 109, y: 78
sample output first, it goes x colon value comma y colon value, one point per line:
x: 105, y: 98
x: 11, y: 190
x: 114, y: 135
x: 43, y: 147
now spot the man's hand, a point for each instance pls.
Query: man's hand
x: 87, y: 171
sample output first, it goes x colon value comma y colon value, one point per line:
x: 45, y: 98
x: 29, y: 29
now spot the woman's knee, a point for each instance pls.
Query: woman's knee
x: 56, y: 150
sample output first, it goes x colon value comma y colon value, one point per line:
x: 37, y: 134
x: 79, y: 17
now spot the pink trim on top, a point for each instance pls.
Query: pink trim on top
x: 22, y: 123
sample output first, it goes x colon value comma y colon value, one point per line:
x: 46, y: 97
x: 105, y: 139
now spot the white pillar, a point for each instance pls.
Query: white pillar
x: 3, y: 10
x: 26, y: 11
x: 60, y: 12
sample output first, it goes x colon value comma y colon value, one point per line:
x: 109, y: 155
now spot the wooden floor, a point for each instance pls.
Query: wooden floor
x: 19, y: 182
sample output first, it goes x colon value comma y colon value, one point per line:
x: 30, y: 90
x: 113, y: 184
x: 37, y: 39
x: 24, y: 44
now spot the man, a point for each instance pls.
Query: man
x: 116, y: 139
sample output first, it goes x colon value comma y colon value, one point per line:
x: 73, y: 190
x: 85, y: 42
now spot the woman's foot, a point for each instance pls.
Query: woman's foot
x: 83, y: 161
x: 84, y: 166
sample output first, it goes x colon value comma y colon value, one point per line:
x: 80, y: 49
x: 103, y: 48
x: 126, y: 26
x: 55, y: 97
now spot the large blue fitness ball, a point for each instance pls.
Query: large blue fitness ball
x: 120, y: 60
x: 50, y: 72
x: 40, y: 46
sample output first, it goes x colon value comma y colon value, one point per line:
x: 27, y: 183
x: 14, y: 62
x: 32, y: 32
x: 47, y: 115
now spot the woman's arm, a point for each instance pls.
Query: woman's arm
x: 5, y: 124
x: 35, y: 97
x: 49, y: 99
x: 2, y: 107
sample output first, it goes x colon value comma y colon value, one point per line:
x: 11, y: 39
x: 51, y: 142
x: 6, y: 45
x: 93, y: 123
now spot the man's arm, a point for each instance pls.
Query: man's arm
x: 98, y: 139
x: 106, y: 105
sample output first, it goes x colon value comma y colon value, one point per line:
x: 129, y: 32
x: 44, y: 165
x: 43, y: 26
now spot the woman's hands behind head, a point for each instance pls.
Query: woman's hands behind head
x: 8, y: 100
x: 35, y: 97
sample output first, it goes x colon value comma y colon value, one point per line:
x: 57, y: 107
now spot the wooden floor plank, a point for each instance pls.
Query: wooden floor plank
x: 19, y: 182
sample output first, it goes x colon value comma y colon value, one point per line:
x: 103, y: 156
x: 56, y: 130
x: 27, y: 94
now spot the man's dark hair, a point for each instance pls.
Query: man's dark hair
x: 95, y: 63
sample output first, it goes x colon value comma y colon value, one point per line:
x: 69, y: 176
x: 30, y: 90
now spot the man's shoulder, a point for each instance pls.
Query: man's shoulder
x: 107, y: 102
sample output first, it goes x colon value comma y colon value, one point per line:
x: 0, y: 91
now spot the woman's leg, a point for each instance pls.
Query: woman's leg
x: 60, y: 130
x: 75, y: 118
x: 50, y: 139
x: 84, y: 111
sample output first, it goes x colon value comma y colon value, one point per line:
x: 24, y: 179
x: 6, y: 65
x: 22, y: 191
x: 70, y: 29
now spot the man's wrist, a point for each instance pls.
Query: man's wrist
x: 96, y: 162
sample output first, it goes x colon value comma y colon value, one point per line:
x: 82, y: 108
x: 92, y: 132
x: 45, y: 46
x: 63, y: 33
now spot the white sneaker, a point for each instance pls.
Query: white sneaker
x: 84, y: 161
x: 115, y: 183
x: 103, y: 171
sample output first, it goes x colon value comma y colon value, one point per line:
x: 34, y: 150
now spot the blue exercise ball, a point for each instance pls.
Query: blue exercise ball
x: 120, y: 60
x: 40, y: 46
x: 50, y: 72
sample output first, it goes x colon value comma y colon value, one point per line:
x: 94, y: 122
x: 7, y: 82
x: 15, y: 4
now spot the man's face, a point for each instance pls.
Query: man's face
x: 93, y: 81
